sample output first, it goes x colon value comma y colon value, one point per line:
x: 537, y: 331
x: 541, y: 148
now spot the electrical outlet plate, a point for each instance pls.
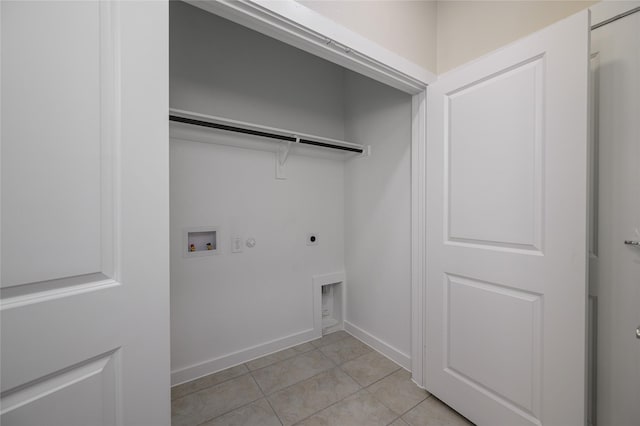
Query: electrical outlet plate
x: 236, y: 244
x: 312, y: 239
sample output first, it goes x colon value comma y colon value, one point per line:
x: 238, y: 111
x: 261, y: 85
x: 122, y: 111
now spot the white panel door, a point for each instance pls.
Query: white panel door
x: 84, y: 304
x: 506, y: 231
x: 615, y: 273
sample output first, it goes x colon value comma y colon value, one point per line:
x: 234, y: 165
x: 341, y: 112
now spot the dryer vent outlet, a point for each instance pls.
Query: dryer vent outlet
x: 312, y: 239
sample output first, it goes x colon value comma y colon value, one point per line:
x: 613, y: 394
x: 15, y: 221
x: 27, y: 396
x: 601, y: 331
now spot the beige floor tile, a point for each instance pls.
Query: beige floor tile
x: 207, y: 381
x: 330, y: 338
x: 258, y: 413
x: 432, y: 412
x: 345, y: 349
x: 357, y: 410
x: 293, y: 370
x: 398, y: 392
x: 305, y: 398
x: 369, y: 368
x: 303, y: 381
x: 204, y: 405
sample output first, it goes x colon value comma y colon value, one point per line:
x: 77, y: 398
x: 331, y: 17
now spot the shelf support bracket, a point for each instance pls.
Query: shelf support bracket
x: 281, y: 158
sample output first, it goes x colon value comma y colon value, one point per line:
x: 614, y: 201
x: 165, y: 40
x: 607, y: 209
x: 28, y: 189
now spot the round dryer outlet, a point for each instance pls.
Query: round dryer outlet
x: 312, y: 239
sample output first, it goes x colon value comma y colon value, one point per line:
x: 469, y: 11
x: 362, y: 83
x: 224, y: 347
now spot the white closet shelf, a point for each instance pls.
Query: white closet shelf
x: 221, y: 123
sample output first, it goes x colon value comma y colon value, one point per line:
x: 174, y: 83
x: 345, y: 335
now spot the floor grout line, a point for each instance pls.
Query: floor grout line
x: 216, y: 384
x: 313, y: 348
x: 400, y: 416
x: 380, y: 379
x: 324, y: 355
x: 349, y: 360
x: 330, y: 405
x: 336, y: 367
x: 264, y: 394
x: 304, y: 380
x: 394, y: 420
x: 274, y: 411
x: 243, y: 405
x: 229, y: 411
x: 293, y: 384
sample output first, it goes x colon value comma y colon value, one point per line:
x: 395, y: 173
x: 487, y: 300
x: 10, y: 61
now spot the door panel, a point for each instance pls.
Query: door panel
x: 506, y: 231
x: 51, y: 200
x: 472, y: 302
x: 84, y: 298
x: 91, y: 385
x: 513, y: 218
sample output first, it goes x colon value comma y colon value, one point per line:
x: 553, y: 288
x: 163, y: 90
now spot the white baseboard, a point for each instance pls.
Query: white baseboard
x: 214, y: 365
x: 385, y: 349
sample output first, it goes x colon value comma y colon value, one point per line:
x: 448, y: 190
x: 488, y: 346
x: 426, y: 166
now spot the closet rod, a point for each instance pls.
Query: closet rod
x: 261, y: 133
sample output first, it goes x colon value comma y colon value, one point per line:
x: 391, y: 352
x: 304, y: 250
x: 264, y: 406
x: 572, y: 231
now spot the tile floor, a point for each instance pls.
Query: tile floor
x: 336, y: 380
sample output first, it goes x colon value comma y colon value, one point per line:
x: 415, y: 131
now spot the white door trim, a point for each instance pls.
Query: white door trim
x: 418, y: 234
x: 294, y: 24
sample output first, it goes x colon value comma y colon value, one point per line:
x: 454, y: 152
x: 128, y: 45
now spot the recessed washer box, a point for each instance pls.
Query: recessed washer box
x: 200, y: 241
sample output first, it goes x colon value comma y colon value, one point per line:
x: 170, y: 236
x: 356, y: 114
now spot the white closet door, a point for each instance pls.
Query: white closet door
x: 615, y: 265
x: 85, y: 277
x: 506, y: 231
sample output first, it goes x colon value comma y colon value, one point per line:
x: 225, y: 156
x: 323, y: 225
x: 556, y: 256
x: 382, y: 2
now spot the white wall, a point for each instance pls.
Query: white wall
x: 231, y: 302
x: 406, y: 27
x: 470, y: 29
x: 378, y: 217
x: 226, y: 307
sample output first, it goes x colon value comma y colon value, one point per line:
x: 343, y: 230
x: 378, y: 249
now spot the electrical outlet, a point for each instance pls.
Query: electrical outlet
x: 236, y: 244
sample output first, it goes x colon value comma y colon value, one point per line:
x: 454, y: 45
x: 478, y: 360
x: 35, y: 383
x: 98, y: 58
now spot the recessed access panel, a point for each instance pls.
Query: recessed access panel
x: 332, y: 303
x: 201, y: 241
x: 328, y: 303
